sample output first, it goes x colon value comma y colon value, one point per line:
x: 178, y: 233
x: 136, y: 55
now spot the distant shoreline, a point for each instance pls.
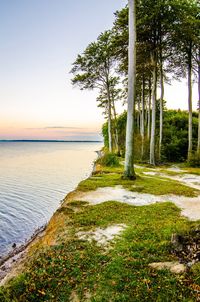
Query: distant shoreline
x: 48, y: 141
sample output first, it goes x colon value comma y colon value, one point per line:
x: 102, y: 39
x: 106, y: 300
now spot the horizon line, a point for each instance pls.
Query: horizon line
x: 50, y: 140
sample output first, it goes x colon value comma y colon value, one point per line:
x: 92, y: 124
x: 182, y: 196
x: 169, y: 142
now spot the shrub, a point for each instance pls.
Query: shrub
x: 109, y: 160
x: 194, y: 160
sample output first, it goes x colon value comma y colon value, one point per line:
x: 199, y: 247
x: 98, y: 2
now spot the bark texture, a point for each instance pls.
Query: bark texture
x: 198, y: 143
x: 129, y: 156
x: 153, y: 111
x: 190, y: 102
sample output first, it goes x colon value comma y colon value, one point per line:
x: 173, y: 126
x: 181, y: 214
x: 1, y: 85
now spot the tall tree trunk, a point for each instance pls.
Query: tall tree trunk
x: 142, y: 116
x: 138, y: 117
x: 153, y: 115
x: 161, y: 99
x: 149, y: 111
x: 190, y: 101
x: 109, y: 127
x: 110, y: 142
x: 198, y: 144
x: 145, y: 116
x: 129, y: 156
x: 116, y: 130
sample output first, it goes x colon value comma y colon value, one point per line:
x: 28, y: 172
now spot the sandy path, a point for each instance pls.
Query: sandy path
x: 190, y: 180
x: 190, y: 206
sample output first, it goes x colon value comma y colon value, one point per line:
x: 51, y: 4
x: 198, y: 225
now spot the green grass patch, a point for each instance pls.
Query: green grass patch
x: 120, y: 273
x: 145, y: 184
x: 195, y: 171
x: 161, y: 186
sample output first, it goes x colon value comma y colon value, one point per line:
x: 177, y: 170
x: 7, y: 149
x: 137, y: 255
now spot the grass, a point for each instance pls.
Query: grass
x: 110, y: 177
x: 120, y: 273
x: 71, y: 267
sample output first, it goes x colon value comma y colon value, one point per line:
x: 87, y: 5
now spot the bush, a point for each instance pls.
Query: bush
x: 109, y: 160
x: 194, y: 160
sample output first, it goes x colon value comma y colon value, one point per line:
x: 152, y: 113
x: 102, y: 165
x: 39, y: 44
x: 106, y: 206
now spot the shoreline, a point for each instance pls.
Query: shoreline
x: 78, y: 253
x: 14, y: 257
x: 11, y: 261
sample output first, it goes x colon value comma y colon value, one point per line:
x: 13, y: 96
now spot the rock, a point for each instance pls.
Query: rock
x: 174, y: 267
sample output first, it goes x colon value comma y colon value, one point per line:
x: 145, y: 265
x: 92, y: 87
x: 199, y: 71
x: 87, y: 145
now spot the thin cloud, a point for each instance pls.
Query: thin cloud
x: 87, y: 133
x: 61, y: 127
x: 54, y: 127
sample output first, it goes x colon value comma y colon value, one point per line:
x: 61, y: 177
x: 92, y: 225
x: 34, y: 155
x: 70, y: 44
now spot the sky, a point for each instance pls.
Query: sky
x: 40, y: 40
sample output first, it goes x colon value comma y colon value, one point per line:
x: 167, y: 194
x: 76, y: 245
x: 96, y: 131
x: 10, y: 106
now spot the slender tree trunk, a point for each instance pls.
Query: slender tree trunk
x: 149, y: 111
x: 129, y: 156
x: 138, y: 119
x: 153, y: 115
x: 142, y: 116
x: 198, y: 144
x: 161, y: 101
x: 190, y: 101
x: 145, y: 116
x: 109, y: 128
x: 110, y: 142
x: 116, y: 130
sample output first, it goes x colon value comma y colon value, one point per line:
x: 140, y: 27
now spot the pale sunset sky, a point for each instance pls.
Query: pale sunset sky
x: 40, y: 39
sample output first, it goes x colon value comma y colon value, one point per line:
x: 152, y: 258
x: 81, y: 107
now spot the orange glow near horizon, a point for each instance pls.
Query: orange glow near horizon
x: 50, y: 133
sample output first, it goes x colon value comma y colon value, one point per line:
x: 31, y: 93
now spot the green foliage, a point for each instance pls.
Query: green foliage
x: 175, y: 136
x: 168, y: 34
x: 194, y: 160
x: 109, y: 160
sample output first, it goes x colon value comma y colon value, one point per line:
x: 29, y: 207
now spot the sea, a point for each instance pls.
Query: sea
x: 34, y: 179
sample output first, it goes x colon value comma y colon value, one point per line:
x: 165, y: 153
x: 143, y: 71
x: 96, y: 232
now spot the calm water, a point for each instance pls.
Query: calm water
x: 34, y: 178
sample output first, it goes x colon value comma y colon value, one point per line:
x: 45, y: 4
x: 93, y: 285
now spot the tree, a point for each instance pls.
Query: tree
x: 129, y: 157
x: 198, y: 63
x: 95, y: 69
x: 197, y: 59
x: 115, y: 95
x: 184, y: 37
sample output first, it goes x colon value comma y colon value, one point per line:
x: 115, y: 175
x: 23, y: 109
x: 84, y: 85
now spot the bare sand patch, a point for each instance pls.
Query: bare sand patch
x: 176, y: 169
x: 190, y: 206
x: 102, y: 236
x: 191, y: 180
